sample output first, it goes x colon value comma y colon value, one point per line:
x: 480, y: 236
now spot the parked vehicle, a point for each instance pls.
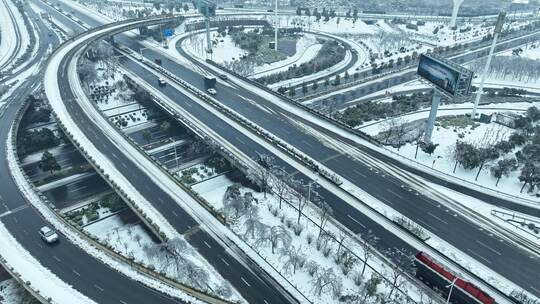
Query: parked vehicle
x: 157, y: 61
x: 437, y: 277
x: 48, y: 235
x: 223, y: 77
x: 212, y: 91
x: 162, y: 82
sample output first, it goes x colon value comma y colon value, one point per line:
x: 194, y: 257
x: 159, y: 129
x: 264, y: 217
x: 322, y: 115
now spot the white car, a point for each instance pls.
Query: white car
x: 212, y: 91
x: 48, y: 235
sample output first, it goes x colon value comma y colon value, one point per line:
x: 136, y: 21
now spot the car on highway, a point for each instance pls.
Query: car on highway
x: 212, y: 91
x: 223, y: 76
x: 48, y: 235
x: 162, y: 82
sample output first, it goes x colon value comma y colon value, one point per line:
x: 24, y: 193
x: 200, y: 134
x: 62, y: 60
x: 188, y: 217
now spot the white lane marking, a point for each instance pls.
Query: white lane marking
x: 535, y: 289
x: 56, y: 258
x: 476, y: 254
x: 243, y: 280
x: 495, y: 251
x: 114, y: 155
x: 265, y: 302
x: 175, y: 214
x: 123, y: 302
x: 356, y: 221
x: 438, y: 218
x: 241, y: 141
x: 388, y: 190
x: 360, y: 173
x: 75, y: 272
x: 426, y: 224
x: 124, y: 165
x: 207, y: 245
x: 98, y: 288
x: 225, y: 262
x: 385, y: 200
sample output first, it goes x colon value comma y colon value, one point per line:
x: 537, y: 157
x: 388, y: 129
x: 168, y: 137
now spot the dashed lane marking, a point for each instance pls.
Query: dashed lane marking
x: 476, y: 254
x: 57, y: 259
x: 243, y: 280
x: 225, y: 262
x: 207, y: 245
x: 401, y: 197
x: 428, y: 225
x: 438, y: 218
x: 75, y: 272
x: 488, y: 247
x: 13, y: 210
x: 98, y: 288
x: 356, y: 221
x: 360, y: 173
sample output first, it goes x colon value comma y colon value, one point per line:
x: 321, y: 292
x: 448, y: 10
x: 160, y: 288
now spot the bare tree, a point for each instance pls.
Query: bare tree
x: 403, y: 265
x: 278, y: 234
x: 312, y: 268
x: 280, y: 184
x: 368, y: 244
x: 294, y: 258
x: 233, y: 202
x: 262, y: 174
x: 274, y: 236
x: 252, y: 223
x: 325, y: 211
x: 327, y: 279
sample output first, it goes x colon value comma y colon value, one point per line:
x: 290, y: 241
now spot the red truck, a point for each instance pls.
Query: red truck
x: 435, y: 275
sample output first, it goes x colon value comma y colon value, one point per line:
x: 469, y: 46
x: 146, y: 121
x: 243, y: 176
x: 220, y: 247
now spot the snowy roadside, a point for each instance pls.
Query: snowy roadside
x: 8, y: 43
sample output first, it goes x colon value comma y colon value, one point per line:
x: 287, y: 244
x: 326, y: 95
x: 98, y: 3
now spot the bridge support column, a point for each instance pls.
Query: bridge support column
x: 455, y: 10
x: 435, y: 101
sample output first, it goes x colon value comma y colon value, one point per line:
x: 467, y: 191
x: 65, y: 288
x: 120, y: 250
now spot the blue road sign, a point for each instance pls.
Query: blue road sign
x: 168, y: 32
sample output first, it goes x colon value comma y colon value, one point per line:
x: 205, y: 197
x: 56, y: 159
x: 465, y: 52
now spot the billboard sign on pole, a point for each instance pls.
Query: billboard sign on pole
x: 449, y: 78
x: 206, y: 8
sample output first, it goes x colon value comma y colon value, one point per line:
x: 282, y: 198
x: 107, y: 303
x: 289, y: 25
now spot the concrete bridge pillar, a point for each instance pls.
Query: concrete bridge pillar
x: 455, y: 10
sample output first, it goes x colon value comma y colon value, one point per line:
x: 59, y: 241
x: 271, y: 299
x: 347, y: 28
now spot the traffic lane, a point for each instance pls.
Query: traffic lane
x: 459, y: 242
x: 87, y: 275
x: 225, y: 263
x: 175, y: 215
x: 250, y: 148
x: 459, y: 230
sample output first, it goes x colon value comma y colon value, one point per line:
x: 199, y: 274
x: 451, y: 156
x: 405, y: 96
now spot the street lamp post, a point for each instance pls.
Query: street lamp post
x: 451, y: 288
x: 276, y: 20
x: 496, y: 32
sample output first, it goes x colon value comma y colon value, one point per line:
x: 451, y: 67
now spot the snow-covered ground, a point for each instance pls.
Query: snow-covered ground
x: 307, y: 48
x: 11, y: 292
x: 133, y: 240
x: 224, y: 51
x: 265, y: 212
x: 332, y: 26
x: 441, y: 159
x: 8, y: 39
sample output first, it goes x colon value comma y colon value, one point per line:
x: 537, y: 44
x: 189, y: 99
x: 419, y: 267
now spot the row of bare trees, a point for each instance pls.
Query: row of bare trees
x: 271, y: 178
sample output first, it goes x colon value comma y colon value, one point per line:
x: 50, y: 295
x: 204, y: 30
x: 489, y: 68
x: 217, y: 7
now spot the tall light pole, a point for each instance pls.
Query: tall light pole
x: 496, y: 32
x: 451, y: 288
x: 275, y: 26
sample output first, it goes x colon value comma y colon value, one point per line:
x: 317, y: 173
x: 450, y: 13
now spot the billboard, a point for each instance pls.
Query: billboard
x: 443, y: 76
x: 206, y: 8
